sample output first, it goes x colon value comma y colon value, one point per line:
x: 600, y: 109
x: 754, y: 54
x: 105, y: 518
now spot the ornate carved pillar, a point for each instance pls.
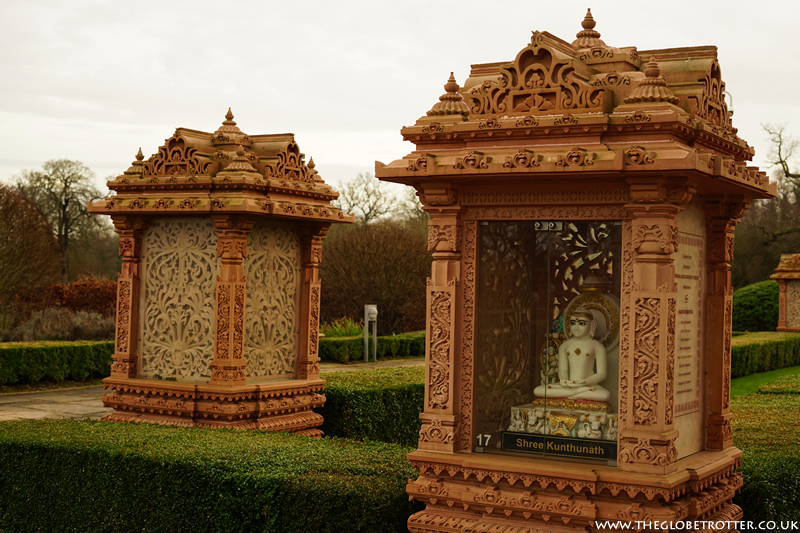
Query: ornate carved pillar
x: 722, y: 221
x: 228, y: 367
x: 440, y: 419
x: 311, y: 238
x: 649, y: 303
x: 126, y: 349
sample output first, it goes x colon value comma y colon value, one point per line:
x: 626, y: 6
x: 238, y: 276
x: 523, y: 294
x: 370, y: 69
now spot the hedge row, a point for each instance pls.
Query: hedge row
x: 56, y: 361
x: 29, y: 362
x: 789, y: 384
x: 755, y: 353
x: 58, y: 475
x: 382, y: 404
x: 344, y: 349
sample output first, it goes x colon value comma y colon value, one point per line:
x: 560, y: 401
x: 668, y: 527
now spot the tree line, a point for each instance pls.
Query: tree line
x: 47, y: 235
x: 770, y: 227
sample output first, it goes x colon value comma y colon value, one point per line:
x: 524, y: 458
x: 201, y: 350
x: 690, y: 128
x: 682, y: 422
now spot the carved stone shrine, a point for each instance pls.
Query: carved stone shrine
x: 788, y: 276
x: 218, y: 299
x: 583, y: 200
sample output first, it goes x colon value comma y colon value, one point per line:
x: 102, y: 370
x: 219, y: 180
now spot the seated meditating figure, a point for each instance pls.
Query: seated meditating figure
x: 577, y: 358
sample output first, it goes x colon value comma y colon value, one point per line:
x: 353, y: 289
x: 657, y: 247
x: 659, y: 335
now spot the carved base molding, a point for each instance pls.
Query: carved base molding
x: 274, y: 406
x: 472, y: 493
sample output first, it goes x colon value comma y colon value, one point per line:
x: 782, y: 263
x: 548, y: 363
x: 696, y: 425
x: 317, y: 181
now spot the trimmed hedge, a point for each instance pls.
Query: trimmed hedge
x: 29, y: 362
x: 58, y: 475
x: 789, y: 384
x: 344, y: 349
x: 753, y: 353
x: 382, y: 404
x: 755, y: 307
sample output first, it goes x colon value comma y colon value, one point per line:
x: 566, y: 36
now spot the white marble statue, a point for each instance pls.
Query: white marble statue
x: 578, y: 357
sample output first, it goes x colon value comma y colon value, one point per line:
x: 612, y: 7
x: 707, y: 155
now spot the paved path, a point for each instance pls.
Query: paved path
x: 85, y: 402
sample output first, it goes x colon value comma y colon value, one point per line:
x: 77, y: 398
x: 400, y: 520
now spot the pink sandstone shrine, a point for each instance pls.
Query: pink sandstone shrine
x: 583, y: 200
x: 218, y: 299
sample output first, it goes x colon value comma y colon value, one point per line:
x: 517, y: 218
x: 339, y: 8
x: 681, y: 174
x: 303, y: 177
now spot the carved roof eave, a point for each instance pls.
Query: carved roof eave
x: 599, y: 161
x: 231, y: 184
x: 207, y: 204
x: 625, y: 120
x: 788, y: 268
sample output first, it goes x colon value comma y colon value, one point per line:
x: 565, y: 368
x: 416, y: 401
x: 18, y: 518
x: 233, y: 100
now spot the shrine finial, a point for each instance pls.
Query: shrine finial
x: 137, y: 167
x: 451, y: 86
x: 653, y: 88
x: 240, y: 162
x: 652, y: 70
x: 588, y: 37
x: 229, y: 133
x: 588, y: 21
x: 451, y: 102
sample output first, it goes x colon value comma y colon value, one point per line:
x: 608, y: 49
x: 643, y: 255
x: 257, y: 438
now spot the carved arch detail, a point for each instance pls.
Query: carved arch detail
x: 290, y: 166
x: 542, y: 79
x: 175, y: 158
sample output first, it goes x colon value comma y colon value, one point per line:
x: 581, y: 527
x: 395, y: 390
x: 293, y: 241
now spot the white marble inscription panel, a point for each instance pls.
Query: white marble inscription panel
x: 688, y: 341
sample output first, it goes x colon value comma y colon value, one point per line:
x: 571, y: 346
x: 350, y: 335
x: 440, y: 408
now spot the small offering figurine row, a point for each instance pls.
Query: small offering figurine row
x: 585, y: 426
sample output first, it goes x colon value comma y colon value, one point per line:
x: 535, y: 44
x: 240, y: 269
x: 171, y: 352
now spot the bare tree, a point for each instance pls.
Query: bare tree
x: 61, y: 190
x: 367, y: 198
x: 781, y: 155
x: 782, y: 151
x: 383, y: 263
x: 411, y: 213
x: 771, y: 227
x: 28, y: 250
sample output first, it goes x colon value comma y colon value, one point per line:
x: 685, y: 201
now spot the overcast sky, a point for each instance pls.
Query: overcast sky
x: 95, y: 80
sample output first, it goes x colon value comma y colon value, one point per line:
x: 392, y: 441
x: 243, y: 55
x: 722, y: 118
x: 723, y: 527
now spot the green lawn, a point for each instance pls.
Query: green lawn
x: 766, y: 427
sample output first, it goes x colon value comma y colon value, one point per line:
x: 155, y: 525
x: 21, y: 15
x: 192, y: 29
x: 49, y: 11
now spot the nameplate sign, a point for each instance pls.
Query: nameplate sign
x: 561, y: 446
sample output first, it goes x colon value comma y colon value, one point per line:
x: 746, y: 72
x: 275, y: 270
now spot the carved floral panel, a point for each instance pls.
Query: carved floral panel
x: 793, y: 304
x: 271, y: 271
x: 180, y: 272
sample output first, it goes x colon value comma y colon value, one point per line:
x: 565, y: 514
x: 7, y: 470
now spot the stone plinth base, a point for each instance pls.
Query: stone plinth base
x: 274, y: 406
x: 473, y: 493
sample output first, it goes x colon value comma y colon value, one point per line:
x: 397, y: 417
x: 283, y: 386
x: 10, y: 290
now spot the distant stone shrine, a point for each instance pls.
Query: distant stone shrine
x: 788, y: 276
x: 583, y: 200
x: 218, y: 298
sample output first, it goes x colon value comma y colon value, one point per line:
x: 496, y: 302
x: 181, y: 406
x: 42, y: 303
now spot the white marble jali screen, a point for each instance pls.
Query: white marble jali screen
x: 690, y: 278
x: 180, y: 269
x: 271, y: 328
